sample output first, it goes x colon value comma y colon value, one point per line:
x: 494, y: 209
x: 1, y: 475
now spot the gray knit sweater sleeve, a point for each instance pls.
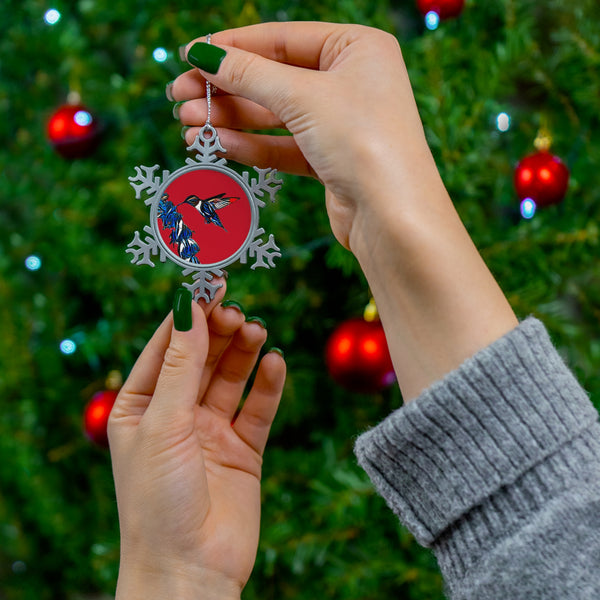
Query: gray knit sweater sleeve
x: 497, y: 469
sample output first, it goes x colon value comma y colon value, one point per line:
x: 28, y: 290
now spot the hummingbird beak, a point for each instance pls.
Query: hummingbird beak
x: 189, y: 200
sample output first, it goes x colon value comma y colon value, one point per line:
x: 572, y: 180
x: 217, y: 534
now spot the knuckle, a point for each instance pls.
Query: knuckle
x: 240, y: 70
x: 175, y: 358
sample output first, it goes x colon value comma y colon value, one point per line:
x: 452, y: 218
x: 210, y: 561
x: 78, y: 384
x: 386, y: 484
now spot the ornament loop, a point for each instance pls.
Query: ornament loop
x: 210, y: 130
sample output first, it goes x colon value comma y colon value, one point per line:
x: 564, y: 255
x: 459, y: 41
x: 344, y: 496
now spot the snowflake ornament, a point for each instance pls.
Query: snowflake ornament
x: 204, y: 216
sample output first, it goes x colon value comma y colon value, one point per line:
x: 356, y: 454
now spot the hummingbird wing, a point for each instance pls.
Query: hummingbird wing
x: 221, y: 201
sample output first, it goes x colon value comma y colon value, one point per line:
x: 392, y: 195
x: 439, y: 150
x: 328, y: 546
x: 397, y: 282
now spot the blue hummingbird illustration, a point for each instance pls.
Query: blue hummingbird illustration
x: 167, y: 212
x: 181, y: 234
x: 208, y: 207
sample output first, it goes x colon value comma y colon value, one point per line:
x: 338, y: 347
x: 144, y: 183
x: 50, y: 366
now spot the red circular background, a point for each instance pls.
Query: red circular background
x: 216, y: 244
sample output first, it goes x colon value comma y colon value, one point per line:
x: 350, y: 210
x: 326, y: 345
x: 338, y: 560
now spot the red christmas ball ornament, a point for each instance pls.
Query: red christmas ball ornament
x: 95, y: 416
x: 73, y: 131
x: 542, y: 177
x: 358, y: 358
x: 445, y: 9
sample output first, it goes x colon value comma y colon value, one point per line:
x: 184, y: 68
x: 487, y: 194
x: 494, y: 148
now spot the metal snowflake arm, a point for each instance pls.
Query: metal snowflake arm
x: 267, y: 183
x: 202, y: 286
x: 142, y: 250
x: 147, y: 181
x: 262, y: 251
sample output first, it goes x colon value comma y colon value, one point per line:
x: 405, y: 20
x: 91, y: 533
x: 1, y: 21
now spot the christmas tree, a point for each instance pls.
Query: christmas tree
x: 74, y: 309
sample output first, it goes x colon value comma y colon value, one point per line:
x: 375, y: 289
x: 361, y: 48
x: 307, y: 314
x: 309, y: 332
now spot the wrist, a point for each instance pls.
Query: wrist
x: 138, y: 582
x: 439, y: 303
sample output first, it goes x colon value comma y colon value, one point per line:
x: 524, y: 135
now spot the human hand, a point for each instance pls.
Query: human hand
x: 344, y: 94
x: 187, y: 475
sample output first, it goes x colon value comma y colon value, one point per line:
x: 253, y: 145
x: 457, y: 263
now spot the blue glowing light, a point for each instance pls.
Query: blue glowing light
x: 432, y: 20
x: 159, y: 55
x: 528, y: 207
x: 83, y: 118
x: 52, y: 16
x: 503, y: 122
x: 33, y: 262
x: 68, y: 346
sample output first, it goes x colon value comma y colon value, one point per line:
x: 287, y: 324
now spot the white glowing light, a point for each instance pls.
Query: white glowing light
x: 528, y: 207
x: 52, y: 16
x: 68, y: 346
x: 33, y: 263
x: 503, y: 122
x: 82, y: 117
x: 432, y: 20
x: 159, y: 55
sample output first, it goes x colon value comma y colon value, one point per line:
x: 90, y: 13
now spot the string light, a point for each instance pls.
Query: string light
x: 82, y: 118
x: 52, y: 16
x: 528, y: 207
x: 503, y: 122
x: 159, y: 55
x: 432, y: 20
x: 33, y: 262
x: 19, y: 567
x: 68, y: 346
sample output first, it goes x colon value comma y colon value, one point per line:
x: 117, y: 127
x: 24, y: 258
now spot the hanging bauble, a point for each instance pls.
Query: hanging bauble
x: 95, y: 416
x: 542, y: 177
x: 73, y: 131
x: 358, y: 358
x: 444, y: 9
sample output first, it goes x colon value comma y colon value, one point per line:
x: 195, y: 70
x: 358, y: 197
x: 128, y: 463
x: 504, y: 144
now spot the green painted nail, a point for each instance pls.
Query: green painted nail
x: 169, y: 91
x: 176, y: 108
x: 233, y: 303
x: 182, y: 310
x: 277, y: 351
x: 206, y: 57
x: 258, y: 320
x: 184, y: 131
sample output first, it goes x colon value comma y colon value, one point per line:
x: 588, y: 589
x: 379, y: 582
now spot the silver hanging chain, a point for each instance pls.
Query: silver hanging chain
x: 208, y: 90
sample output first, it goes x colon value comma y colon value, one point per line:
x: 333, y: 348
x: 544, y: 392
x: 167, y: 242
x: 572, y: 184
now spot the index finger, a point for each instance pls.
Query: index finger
x: 293, y: 43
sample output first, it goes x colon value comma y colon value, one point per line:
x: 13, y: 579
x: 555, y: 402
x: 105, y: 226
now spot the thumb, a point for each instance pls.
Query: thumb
x: 180, y: 375
x: 238, y: 72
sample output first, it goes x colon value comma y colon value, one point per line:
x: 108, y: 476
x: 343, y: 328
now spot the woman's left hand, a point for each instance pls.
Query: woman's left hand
x: 187, y: 466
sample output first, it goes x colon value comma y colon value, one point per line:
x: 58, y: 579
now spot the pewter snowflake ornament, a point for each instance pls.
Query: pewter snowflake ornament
x: 204, y: 216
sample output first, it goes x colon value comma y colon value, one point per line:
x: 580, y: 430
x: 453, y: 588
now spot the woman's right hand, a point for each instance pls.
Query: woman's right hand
x: 344, y: 94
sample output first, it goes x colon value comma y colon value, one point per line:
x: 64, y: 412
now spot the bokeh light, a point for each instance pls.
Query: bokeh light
x: 528, y: 208
x: 52, y: 16
x: 83, y: 118
x: 432, y: 20
x: 159, y: 55
x: 503, y: 122
x: 68, y: 346
x: 33, y: 262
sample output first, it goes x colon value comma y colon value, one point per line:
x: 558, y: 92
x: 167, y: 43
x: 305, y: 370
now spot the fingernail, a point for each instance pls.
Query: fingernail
x: 169, y: 91
x: 182, y: 310
x: 258, y: 320
x: 206, y: 57
x: 181, y: 52
x: 184, y: 131
x: 176, y: 108
x: 233, y: 303
x: 277, y: 351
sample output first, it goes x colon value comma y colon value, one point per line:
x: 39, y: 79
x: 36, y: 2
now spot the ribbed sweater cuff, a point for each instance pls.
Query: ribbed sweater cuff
x: 485, y: 425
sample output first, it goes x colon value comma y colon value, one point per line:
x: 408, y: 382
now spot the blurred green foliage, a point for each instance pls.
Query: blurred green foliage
x: 325, y: 532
